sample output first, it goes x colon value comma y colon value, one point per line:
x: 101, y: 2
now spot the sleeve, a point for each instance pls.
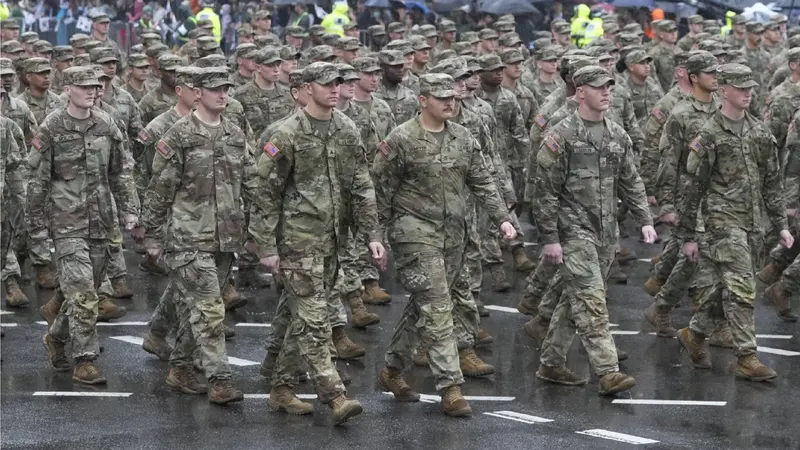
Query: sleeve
x: 483, y: 186
x: 30, y: 130
x: 496, y: 167
x: 777, y: 121
x: 519, y: 133
x: 650, y: 151
x: 387, y: 169
x: 772, y: 184
x: 164, y: 183
x: 41, y: 161
x: 249, y: 176
x: 670, y: 145
x: 551, y: 174
x: 632, y: 126
x: 16, y: 172
x: 538, y: 128
x: 631, y: 187
x: 120, y: 175
x: 698, y: 168
x: 362, y: 198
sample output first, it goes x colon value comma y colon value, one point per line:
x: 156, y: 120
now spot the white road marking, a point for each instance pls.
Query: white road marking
x: 654, y: 333
x: 6, y: 312
x: 52, y: 250
x: 110, y: 324
x: 645, y: 259
x: 80, y: 394
x: 639, y: 401
x: 428, y: 398
x: 244, y: 324
x: 624, y: 332
x: 8, y: 324
x: 612, y: 325
x: 129, y: 339
x: 266, y: 396
x: 529, y: 244
x: 774, y: 336
x: 519, y: 417
x: 619, y: 437
x: 231, y: 360
x: 778, y: 351
x: 502, y: 308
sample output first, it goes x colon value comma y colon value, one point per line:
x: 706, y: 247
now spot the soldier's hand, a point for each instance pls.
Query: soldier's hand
x: 508, y: 230
x: 131, y: 221
x: 689, y: 250
x: 378, y: 255
x: 787, y: 240
x: 651, y: 200
x: 553, y: 253
x: 792, y: 212
x: 649, y: 234
x: 272, y: 263
x: 154, y: 253
x: 670, y: 218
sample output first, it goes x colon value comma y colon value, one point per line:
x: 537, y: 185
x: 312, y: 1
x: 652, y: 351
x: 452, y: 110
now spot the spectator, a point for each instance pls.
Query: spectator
x: 300, y: 16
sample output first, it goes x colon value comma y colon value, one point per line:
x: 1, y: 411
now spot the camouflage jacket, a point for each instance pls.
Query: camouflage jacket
x: 644, y: 97
x: 757, y: 60
x: 412, y: 82
x: 137, y: 95
x: 543, y: 120
x: 528, y: 104
x: 578, y: 184
x: 781, y: 104
x: 263, y: 107
x: 124, y: 110
x: 621, y: 112
x: 422, y: 185
x: 664, y: 63
x: 152, y: 83
x: 239, y: 80
x: 780, y: 75
x: 13, y: 173
x: 652, y: 129
x: 542, y: 90
x: 194, y: 199
x: 381, y: 116
x: 402, y: 101
x: 789, y: 158
x: 510, y: 135
x: 686, y: 42
x: 363, y: 120
x: 41, y: 107
x: 144, y: 145
x: 21, y: 114
x: 155, y: 103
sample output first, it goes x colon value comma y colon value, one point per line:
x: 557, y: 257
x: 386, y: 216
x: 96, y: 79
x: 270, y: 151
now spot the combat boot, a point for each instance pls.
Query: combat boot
x: 769, y: 274
x: 87, y: 372
x: 622, y: 355
x: 344, y: 409
x: 653, y: 285
x: 483, y: 339
x: 107, y: 310
x: 482, y: 311
x: 374, y: 295
x: 139, y: 247
x: 283, y: 398
x: 536, y: 329
x: 228, y: 327
x: 121, y: 287
x: 44, y: 277
x: 150, y: 266
x: 223, y: 391
x: 15, y: 298
x: 252, y: 277
x: 184, y: 380
x: 471, y: 365
x: 616, y: 275
x: 521, y: 261
x: 777, y: 296
x: 695, y: 346
x: 750, y: 368
x: 658, y: 316
x: 625, y: 256
x: 528, y: 305
x: 453, y: 403
x: 360, y: 316
x: 345, y: 347
x: 268, y: 365
x: 392, y: 380
x: 559, y: 375
x: 614, y: 382
x: 655, y: 259
x: 499, y: 281
x: 49, y: 310
x: 420, y: 357
x: 230, y: 298
x: 56, y: 353
x: 721, y: 337
x: 157, y: 345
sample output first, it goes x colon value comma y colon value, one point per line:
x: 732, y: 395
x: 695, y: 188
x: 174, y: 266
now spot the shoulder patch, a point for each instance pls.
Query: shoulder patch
x: 767, y: 115
x: 658, y: 114
x: 271, y: 149
x: 144, y: 136
x: 385, y: 149
x: 540, y: 120
x: 37, y: 143
x: 551, y: 143
x: 768, y: 100
x: 696, y: 145
x: 791, y: 126
x: 164, y: 149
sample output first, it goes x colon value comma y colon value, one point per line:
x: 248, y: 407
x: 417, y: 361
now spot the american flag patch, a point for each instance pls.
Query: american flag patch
x: 791, y: 126
x: 658, y: 114
x: 36, y: 142
x: 540, y: 120
x: 385, y: 149
x: 766, y: 116
x: 144, y: 136
x: 271, y: 149
x: 695, y: 145
x: 550, y: 142
x: 768, y: 100
x: 164, y: 149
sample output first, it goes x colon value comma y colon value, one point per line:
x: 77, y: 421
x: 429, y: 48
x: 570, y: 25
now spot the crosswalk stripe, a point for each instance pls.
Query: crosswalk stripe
x: 518, y: 417
x: 619, y: 437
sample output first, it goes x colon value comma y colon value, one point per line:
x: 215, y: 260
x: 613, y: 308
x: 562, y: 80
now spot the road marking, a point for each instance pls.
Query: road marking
x: 129, y: 339
x: 530, y: 244
x: 8, y: 324
x: 631, y: 401
x: 428, y: 398
x: 502, y: 308
x: 6, y: 312
x: 80, y: 394
x: 266, y: 396
x: 110, y: 324
x: 619, y: 437
x: 254, y: 325
x: 612, y: 325
x: 231, y: 360
x: 774, y: 336
x: 778, y: 351
x: 519, y: 417
x: 654, y: 333
x: 645, y: 259
x: 624, y: 332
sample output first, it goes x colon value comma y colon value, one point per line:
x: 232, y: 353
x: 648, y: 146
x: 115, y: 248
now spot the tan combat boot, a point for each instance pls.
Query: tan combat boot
x: 49, y: 310
x: 658, y: 316
x: 150, y: 266
x: 344, y: 409
x: 222, y: 392
x: 695, y: 346
x: 536, y: 329
x: 184, y: 380
x: 528, y: 304
x: 56, y: 352
x: 655, y: 259
x: 521, y: 261
x: 230, y: 298
x: 345, y: 347
x: 392, y: 380
x: 614, y: 382
x: 653, y: 285
x: 157, y: 345
x: 268, y: 365
x: 750, y: 368
x: 374, y: 295
x: 121, y: 287
x: 616, y: 275
x: 777, y: 296
x: 45, y: 278
x: 472, y: 365
x: 107, y: 310
x: 721, y: 337
x: 283, y: 398
x: 624, y: 256
x: 361, y: 317
x: 769, y: 274
x: 87, y: 372
x: 15, y: 298
x: 420, y: 357
x: 559, y: 375
x: 453, y: 403
x: 483, y: 339
x: 499, y: 281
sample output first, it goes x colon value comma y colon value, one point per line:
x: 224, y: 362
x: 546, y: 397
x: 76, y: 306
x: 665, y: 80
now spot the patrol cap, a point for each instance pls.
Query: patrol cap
x: 548, y: 54
x: 100, y: 73
x: 637, y: 57
x: 42, y: 46
x: 62, y: 53
x: 455, y: 67
x: 695, y: 19
x: 169, y: 62
x: 138, y: 60
x: 438, y: 85
x: 444, y: 54
x: 321, y: 73
x: 561, y: 29
x: 510, y: 40
x: 576, y: 63
x: 81, y: 76
x: 780, y: 19
x: 601, y: 53
x: 503, y: 27
x: 321, y: 53
x: 100, y: 18
x: 390, y: 57
x: 192, y: 52
x: 507, y: 18
x: 472, y: 64
x: 207, y: 43
x: 316, y: 30
x: 490, y: 62
x: 347, y: 72
x: 794, y: 41
x: 419, y: 43
x: 267, y: 56
x: 81, y: 60
x: 246, y: 51
x: 681, y: 58
x: 102, y: 55
x: 78, y: 38
x: 541, y: 44
x: 150, y: 36
x: 262, y: 14
x: 9, y: 24
x: 295, y: 31
x: 211, y: 78
x: 739, y: 19
x: 487, y: 34
x: 754, y: 27
x: 36, y: 65
x: 330, y: 39
x: 350, y: 26
x: 377, y: 30
x: 633, y: 28
x: 793, y: 31
x: 607, y: 44
x: 710, y: 45
x: 29, y: 37
x: 6, y: 67
x: 611, y: 28
x: 92, y: 43
x: 288, y: 52
x: 396, y: 27
x: 266, y: 40
x: 215, y: 60
x: 195, y: 33
x: 470, y: 36
x: 772, y: 26
x: 667, y: 26
x: 715, y: 32
x: 428, y: 30
x: 511, y: 56
x: 366, y: 64
x: 462, y: 48
x: 793, y: 55
x: 295, y: 78
x: 348, y: 44
x: 205, y: 23
x: 245, y: 32
x: 702, y: 36
x: 401, y: 45
x: 447, y: 26
x: 736, y: 75
x: 701, y: 61
x: 594, y: 76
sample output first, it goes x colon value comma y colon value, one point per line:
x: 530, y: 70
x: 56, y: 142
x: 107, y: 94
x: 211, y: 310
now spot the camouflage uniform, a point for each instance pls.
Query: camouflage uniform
x: 12, y: 181
x: 528, y: 104
x: 422, y: 188
x: 136, y: 60
x: 652, y: 129
x: 664, y: 58
x: 263, y: 107
x: 786, y: 258
x: 782, y: 102
x: 41, y: 107
x: 644, y: 96
x: 158, y: 100
x: 540, y: 89
x: 71, y: 161
x: 757, y: 60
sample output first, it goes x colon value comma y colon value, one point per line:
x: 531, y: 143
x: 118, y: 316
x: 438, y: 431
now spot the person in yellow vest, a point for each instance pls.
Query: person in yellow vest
x: 335, y: 21
x: 208, y: 13
x: 728, y: 28
x: 5, y: 13
x: 579, y: 22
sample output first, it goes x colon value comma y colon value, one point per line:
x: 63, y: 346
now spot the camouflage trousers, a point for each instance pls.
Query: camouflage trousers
x: 538, y: 288
x: 164, y: 317
x: 491, y: 240
x: 428, y: 274
x: 472, y: 252
x: 6, y: 235
x: 196, y: 278
x: 309, y: 281
x: 683, y: 273
x: 354, y: 258
x: 247, y: 260
x: 466, y: 320
x: 582, y: 306
x: 37, y: 250
x: 81, y: 266
x: 727, y: 286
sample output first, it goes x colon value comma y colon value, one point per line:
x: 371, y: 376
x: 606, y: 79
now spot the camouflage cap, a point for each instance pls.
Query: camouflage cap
x: 396, y: 27
x: 444, y: 54
x: 211, y: 78
x: 780, y: 19
x: 101, y: 18
x: 472, y: 64
x: 267, y: 56
x: 712, y: 46
x: 608, y: 44
x: 205, y: 23
x: 610, y: 28
x: 462, y: 48
x: 470, y: 36
x: 347, y: 72
x: 503, y: 27
x: 695, y: 19
x: 81, y: 76
x: 150, y: 36
x: 36, y: 65
x: 793, y: 55
x: 624, y: 39
x: 736, y: 75
x: 667, y: 26
x: 754, y: 27
x: 295, y: 78
x: 321, y: 53
x: 680, y: 58
x: 6, y: 67
x: 266, y: 40
x: 92, y: 44
x: 772, y: 26
x: 543, y: 34
x: 793, y: 31
x: 137, y: 48
x: 577, y: 62
x: 288, y: 53
x: 438, y: 85
x: 488, y: 34
x: 215, y: 60
x: 245, y: 32
x: 601, y: 53
x: 715, y: 32
x: 633, y: 28
x: 401, y: 45
x: 419, y: 43
x: 428, y: 30
x: 100, y: 73
x: 330, y: 39
x: 169, y: 62
x: 157, y: 50
x: 316, y: 30
x: 262, y: 14
x: 490, y: 62
x: 102, y: 55
x: 246, y: 51
x: 350, y: 26
x: 29, y: 37
x: 321, y: 73
x: 62, y: 53
x: 703, y: 35
x: 562, y: 29
x: 42, y: 46
x: 541, y: 44
x: 295, y: 31
x: 9, y: 24
x: 548, y: 54
x: 81, y: 60
x: 78, y: 38
x: 793, y: 41
x: 511, y: 56
x: 637, y: 57
x: 447, y: 26
x: 739, y: 19
x: 366, y: 64
x: 348, y: 44
x: 510, y: 40
x: 390, y: 57
x: 138, y: 60
x: 207, y: 43
x: 455, y: 67
x: 701, y: 61
x: 195, y: 33
x: 594, y: 76
x: 376, y: 30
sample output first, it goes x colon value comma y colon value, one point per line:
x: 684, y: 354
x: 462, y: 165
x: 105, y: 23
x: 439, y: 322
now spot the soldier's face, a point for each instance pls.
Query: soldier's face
x: 641, y: 70
x: 248, y: 64
x: 186, y: 95
x: 740, y: 98
x: 140, y: 73
x: 63, y: 65
x: 607, y: 64
x: 408, y: 61
x: 101, y: 28
x: 246, y: 40
x: 347, y: 90
x: 422, y: 56
x: 368, y: 81
x: 168, y: 77
x: 349, y: 55
x: 81, y: 96
x: 270, y: 72
x: 395, y: 36
x: 12, y: 56
x: 513, y: 70
x: 300, y: 96
x: 439, y: 108
x: 213, y: 99
x: 110, y: 68
x: 461, y: 87
x: 773, y: 35
x: 548, y: 67
x: 288, y: 65
x: 474, y: 82
x: 739, y: 29
x: 754, y: 38
x: 595, y: 98
x: 8, y: 81
x: 492, y: 78
x: 432, y: 41
x: 450, y: 36
x: 562, y: 39
x: 696, y: 27
x: 351, y: 33
x: 707, y: 81
x: 324, y: 95
x: 295, y: 42
x: 101, y: 91
x: 393, y: 74
x: 670, y: 37
x: 10, y: 34
x: 489, y: 45
x: 39, y: 80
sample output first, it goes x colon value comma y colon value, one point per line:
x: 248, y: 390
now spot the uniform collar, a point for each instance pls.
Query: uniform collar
x: 197, y: 127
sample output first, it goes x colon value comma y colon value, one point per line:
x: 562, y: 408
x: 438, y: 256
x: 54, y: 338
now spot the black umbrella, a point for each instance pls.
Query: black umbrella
x: 443, y: 6
x: 500, y: 7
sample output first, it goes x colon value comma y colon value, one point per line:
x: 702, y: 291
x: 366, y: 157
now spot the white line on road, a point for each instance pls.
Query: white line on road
x: 619, y: 437
x: 231, y: 360
x: 645, y: 259
x: 778, y: 351
x: 8, y: 324
x: 6, y: 312
x: 529, y: 244
x: 254, y: 325
x: 502, y: 308
x: 428, y: 398
x: 265, y: 396
x: 774, y: 336
x: 519, y: 417
x: 654, y: 333
x: 129, y: 339
x: 624, y: 332
x: 80, y: 394
x: 639, y: 401
x: 110, y: 324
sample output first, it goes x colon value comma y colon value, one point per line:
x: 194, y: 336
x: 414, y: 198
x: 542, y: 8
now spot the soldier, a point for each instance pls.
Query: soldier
x: 429, y: 243
x: 206, y: 146
x: 757, y: 59
x: 369, y: 73
x: 489, y: 40
x: 263, y: 99
x: 262, y: 23
x: 310, y: 229
x: 734, y: 167
x: 9, y: 30
x: 81, y: 207
x: 100, y: 24
x: 778, y: 65
x: 62, y: 60
x: 561, y: 36
x: 783, y: 101
x: 377, y: 37
x: 431, y: 36
x: 347, y: 49
x: 663, y: 54
x: 289, y: 57
x: 546, y: 79
x: 401, y: 99
x: 191, y: 44
x: 207, y: 45
x: 410, y: 80
x: 738, y: 36
x: 38, y: 96
x: 695, y: 27
x: 772, y: 39
x: 422, y: 55
x: 529, y: 106
x: 138, y: 73
x: 296, y: 37
x: 396, y: 30
x: 42, y: 49
x: 12, y: 188
x: 162, y: 98
x: 447, y: 35
x: 578, y: 228
x: 77, y: 41
x: 645, y: 90
x: 153, y: 54
x: 246, y: 64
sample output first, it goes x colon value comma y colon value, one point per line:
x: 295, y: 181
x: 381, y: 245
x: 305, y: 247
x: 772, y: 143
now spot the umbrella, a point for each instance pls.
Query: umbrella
x: 418, y: 5
x: 377, y: 3
x: 500, y: 7
x: 443, y: 6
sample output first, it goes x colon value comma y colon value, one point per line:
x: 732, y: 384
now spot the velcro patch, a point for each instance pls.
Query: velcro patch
x: 696, y: 144
x: 767, y: 115
x: 658, y: 114
x: 36, y: 142
x: 271, y: 150
x: 144, y: 136
x: 164, y: 149
x: 540, y: 120
x: 385, y: 149
x: 791, y: 126
x: 551, y: 143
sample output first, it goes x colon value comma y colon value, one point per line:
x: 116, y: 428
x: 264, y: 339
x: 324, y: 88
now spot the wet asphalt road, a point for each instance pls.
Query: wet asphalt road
x: 512, y: 409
